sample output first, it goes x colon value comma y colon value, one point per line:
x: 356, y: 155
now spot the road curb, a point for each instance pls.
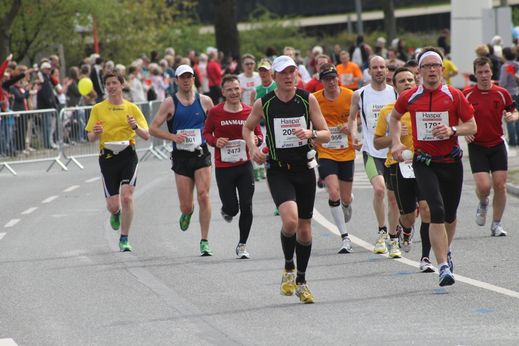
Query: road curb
x: 512, y: 189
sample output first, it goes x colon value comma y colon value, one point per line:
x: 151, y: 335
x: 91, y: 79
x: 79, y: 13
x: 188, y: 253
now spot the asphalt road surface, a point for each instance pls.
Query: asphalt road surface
x: 64, y: 282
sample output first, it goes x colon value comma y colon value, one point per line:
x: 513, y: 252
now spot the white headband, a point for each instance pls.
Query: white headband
x: 429, y: 53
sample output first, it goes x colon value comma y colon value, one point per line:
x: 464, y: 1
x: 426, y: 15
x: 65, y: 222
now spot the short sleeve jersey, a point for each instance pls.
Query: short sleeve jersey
x: 489, y: 106
x: 382, y: 129
x: 347, y: 73
x: 247, y: 85
x: 430, y: 107
x: 114, y: 119
x: 262, y: 90
x: 336, y: 114
x: 371, y: 101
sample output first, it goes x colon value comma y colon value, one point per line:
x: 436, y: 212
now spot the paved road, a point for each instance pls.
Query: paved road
x: 63, y: 282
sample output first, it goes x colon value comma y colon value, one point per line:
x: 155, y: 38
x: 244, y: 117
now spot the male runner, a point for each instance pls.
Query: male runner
x: 487, y: 148
x: 233, y: 170
x: 288, y: 114
x: 337, y: 157
x: 439, y: 113
x: 368, y: 101
x: 115, y: 122
x: 185, y: 114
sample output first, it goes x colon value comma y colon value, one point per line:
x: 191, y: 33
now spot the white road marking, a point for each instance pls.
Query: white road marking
x: 28, y: 211
x: 368, y: 246
x: 11, y: 223
x: 71, y: 188
x: 91, y: 180
x: 50, y: 199
x: 7, y: 342
x: 2, y: 235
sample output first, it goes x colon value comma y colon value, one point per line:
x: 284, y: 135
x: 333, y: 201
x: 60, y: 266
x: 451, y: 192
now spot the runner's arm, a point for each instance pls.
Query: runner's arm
x: 252, y: 121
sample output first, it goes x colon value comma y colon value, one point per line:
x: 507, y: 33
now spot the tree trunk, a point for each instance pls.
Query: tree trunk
x: 5, y: 28
x: 226, y: 28
x: 389, y: 19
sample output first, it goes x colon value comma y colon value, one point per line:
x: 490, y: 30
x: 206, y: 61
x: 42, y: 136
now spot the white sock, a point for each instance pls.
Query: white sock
x: 338, y: 217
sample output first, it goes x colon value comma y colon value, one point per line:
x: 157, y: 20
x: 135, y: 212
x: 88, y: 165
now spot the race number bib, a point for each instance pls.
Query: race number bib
x: 425, y: 123
x: 338, y: 139
x: 346, y: 79
x: 284, y: 131
x: 193, y: 140
x: 234, y: 151
x: 406, y: 169
x: 372, y: 116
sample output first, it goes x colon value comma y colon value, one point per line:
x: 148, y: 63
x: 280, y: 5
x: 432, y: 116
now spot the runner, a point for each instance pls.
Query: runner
x: 288, y: 113
x: 401, y: 177
x: 439, y: 113
x: 233, y: 170
x: 249, y: 79
x: 337, y: 157
x: 487, y: 149
x: 185, y: 114
x: 115, y: 122
x: 368, y: 101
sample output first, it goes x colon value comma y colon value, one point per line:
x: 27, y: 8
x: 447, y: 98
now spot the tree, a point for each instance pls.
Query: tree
x: 10, y: 11
x: 226, y: 28
x: 389, y: 19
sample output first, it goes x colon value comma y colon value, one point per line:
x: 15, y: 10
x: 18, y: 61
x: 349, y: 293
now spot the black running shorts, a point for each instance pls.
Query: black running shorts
x: 485, y: 159
x: 118, y: 169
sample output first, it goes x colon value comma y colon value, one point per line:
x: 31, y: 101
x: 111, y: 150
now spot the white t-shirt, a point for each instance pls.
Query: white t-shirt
x: 248, y: 84
x: 370, y: 103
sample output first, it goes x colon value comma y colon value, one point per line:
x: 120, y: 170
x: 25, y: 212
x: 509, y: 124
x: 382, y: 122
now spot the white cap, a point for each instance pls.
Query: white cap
x: 183, y: 69
x: 282, y: 62
x: 45, y: 65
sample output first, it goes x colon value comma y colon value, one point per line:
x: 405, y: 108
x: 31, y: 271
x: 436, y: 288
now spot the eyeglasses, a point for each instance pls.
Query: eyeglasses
x: 428, y: 66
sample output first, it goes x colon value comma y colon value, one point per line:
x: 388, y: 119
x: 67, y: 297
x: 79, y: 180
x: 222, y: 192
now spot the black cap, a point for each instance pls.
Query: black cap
x: 329, y: 72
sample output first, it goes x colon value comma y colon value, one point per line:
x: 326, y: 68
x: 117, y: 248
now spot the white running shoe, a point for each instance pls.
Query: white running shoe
x: 394, y: 249
x: 481, y: 213
x: 241, y: 252
x: 497, y: 231
x: 426, y: 265
x: 380, y: 245
x: 346, y: 245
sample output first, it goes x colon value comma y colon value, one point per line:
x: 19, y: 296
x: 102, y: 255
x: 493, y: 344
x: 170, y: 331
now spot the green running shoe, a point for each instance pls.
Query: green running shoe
x: 185, y: 219
x: 125, y: 246
x: 276, y: 212
x: 115, y: 221
x: 205, y: 250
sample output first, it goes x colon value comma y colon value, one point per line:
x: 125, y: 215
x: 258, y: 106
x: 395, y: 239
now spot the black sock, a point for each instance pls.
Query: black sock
x: 117, y: 213
x: 407, y: 232
x: 383, y: 229
x: 344, y: 235
x: 123, y: 237
x: 288, y: 244
x: 426, y: 242
x: 303, y: 252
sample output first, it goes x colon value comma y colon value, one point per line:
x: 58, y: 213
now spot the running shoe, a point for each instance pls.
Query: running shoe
x: 394, y: 249
x: 426, y: 265
x: 481, y: 213
x: 405, y: 239
x: 347, y: 210
x: 346, y: 245
x: 185, y: 220
x: 380, y: 245
x: 449, y: 261
x: 227, y: 218
x: 276, y: 212
x: 205, y: 250
x: 288, y: 283
x: 304, y: 294
x: 497, y: 231
x: 241, y: 251
x: 125, y: 246
x: 262, y: 174
x: 446, y: 277
x: 115, y: 221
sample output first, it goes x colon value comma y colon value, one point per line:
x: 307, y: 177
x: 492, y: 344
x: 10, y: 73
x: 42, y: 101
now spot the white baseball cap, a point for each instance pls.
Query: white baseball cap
x: 282, y: 62
x: 183, y: 69
x: 45, y: 65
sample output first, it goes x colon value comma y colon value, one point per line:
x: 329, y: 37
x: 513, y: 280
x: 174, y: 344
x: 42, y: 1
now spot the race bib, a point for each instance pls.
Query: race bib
x: 193, y: 140
x: 406, y: 169
x: 284, y: 131
x: 425, y: 123
x: 338, y: 139
x: 234, y: 151
x: 346, y: 79
x: 372, y: 116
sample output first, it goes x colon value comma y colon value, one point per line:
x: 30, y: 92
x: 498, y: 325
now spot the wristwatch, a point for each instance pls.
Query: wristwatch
x: 314, y: 134
x: 135, y: 127
x: 454, y: 130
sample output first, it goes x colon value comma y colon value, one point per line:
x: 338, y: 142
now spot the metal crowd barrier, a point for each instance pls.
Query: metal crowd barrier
x: 49, y: 135
x: 30, y: 137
